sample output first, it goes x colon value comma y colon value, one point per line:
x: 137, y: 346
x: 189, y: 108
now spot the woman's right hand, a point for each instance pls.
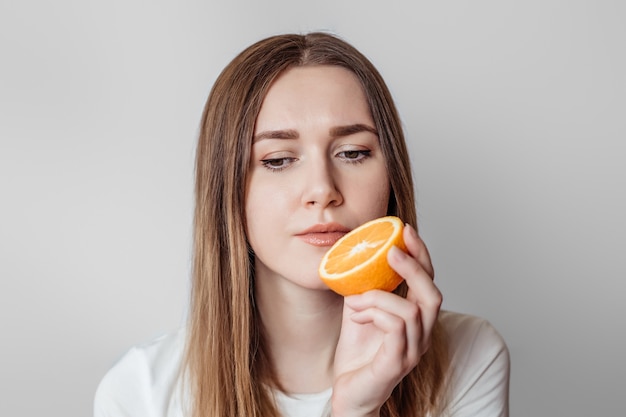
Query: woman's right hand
x: 383, y: 335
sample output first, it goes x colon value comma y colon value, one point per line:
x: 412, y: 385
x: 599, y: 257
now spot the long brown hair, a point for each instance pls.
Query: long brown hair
x: 226, y: 369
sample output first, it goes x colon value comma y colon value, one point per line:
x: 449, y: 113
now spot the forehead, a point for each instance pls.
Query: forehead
x: 320, y: 89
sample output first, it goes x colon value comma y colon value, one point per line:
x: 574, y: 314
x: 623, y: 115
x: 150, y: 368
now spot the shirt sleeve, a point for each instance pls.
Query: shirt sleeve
x: 145, y: 382
x: 480, y: 369
x: 123, y: 392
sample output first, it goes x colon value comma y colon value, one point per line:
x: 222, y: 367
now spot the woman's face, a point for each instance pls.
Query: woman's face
x: 316, y: 172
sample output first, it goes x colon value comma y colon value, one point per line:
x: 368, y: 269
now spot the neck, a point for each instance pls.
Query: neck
x: 300, y: 329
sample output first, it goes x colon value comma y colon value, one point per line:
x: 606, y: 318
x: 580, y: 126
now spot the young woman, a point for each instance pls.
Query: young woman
x: 301, y: 142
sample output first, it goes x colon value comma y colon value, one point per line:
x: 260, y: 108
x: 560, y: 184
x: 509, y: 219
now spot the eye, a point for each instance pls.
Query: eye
x: 277, y: 164
x: 354, y: 155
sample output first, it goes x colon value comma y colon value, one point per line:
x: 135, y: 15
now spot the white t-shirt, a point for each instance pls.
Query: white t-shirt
x: 146, y: 382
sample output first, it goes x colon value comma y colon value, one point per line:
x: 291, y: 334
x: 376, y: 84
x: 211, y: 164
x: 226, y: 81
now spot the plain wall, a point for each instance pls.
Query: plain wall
x: 515, y: 116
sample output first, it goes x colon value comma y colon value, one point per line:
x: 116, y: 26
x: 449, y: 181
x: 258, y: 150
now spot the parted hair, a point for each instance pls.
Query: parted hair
x: 226, y: 367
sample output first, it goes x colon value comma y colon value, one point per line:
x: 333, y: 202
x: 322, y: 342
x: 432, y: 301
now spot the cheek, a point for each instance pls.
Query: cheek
x: 254, y: 216
x: 382, y: 199
x: 374, y: 194
x: 265, y: 209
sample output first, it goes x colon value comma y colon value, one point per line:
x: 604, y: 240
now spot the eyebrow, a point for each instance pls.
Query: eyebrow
x: 276, y: 134
x: 335, y: 132
x: 340, y: 131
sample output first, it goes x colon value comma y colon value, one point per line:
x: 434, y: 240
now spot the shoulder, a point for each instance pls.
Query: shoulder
x: 467, y: 333
x: 479, y: 366
x: 145, y: 381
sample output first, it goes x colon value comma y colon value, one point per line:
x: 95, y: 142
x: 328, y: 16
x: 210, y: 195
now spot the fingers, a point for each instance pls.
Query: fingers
x: 417, y: 249
x: 416, y: 269
x: 398, y: 318
x: 399, y: 324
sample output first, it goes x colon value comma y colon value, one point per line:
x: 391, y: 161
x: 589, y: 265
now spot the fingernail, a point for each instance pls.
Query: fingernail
x: 358, y: 316
x: 396, y: 253
x: 412, y: 230
x: 352, y: 300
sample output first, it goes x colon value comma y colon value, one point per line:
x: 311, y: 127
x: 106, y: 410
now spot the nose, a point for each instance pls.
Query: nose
x: 320, y: 186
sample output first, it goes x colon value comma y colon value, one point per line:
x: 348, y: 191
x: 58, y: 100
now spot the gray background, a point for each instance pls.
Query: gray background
x: 515, y: 114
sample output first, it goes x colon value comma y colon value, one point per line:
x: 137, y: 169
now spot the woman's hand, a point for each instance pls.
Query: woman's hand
x: 383, y: 335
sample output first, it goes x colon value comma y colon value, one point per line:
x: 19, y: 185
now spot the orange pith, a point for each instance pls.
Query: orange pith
x: 358, y: 261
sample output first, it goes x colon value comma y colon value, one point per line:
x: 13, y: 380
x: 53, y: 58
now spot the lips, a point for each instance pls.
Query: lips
x: 323, y: 235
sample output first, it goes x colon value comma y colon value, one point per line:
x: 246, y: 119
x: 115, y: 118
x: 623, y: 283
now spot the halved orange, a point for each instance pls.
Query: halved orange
x: 358, y: 261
